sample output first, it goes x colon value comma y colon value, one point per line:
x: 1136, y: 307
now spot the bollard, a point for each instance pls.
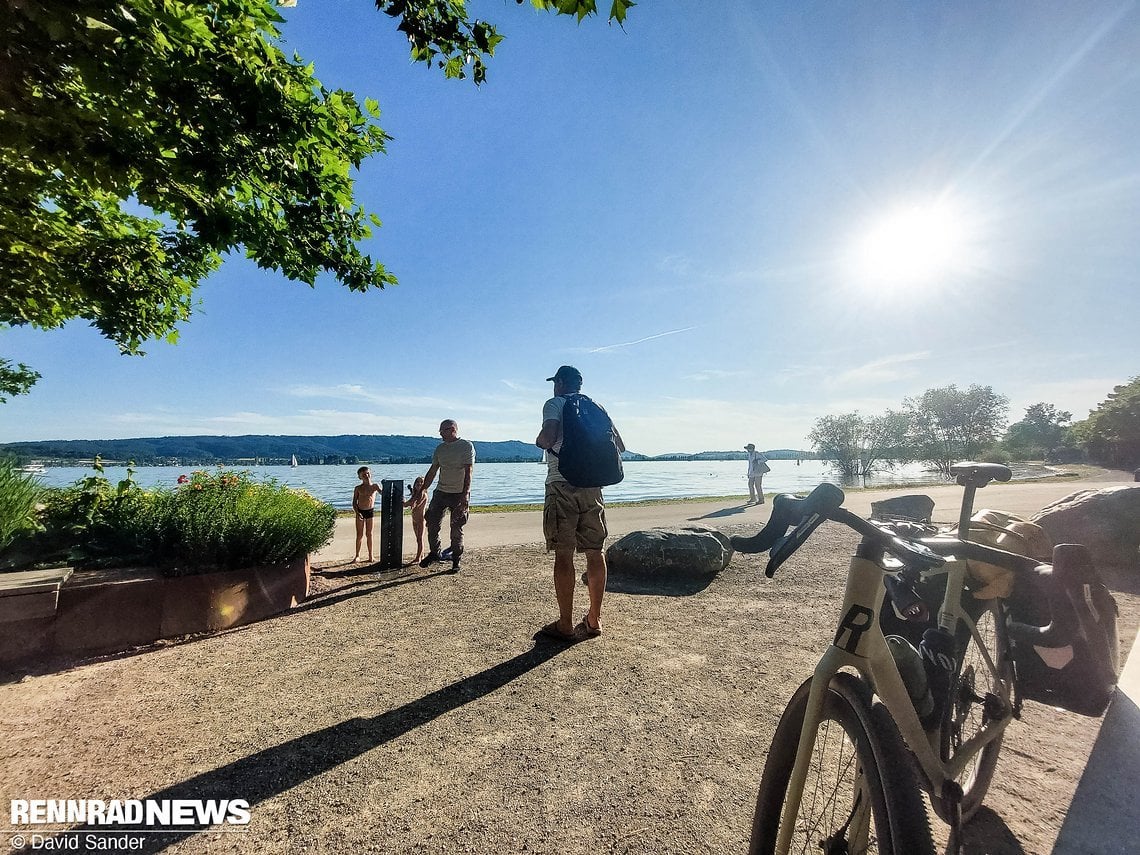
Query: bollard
x: 391, y: 524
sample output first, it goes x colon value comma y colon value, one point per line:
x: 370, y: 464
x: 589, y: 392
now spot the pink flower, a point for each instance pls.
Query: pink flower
x: 182, y: 479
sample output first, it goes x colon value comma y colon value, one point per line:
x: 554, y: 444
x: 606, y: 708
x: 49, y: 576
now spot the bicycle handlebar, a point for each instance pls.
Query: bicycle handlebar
x: 825, y: 502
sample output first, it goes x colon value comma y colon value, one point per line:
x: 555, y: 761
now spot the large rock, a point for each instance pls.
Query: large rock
x: 1106, y: 521
x: 678, y: 560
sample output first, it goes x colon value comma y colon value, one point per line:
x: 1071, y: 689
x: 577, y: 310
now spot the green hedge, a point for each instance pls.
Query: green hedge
x: 211, y: 521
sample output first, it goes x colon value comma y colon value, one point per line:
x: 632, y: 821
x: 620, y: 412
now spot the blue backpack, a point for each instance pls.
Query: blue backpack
x: 589, y: 455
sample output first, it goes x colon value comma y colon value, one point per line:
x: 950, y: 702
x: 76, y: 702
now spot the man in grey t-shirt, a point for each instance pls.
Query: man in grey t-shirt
x: 454, y: 460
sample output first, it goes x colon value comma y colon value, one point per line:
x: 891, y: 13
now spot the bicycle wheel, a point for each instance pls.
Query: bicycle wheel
x: 848, y: 804
x: 975, y: 695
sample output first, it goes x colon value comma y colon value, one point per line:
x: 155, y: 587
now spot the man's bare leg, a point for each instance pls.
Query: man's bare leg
x: 596, y: 583
x: 359, y: 537
x: 564, y: 582
x: 368, y: 534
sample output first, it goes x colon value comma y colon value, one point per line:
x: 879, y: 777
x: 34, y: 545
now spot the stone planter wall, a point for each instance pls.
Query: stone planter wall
x: 108, y: 611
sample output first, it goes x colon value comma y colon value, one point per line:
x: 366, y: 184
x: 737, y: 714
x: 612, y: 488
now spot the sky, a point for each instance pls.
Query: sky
x: 733, y: 217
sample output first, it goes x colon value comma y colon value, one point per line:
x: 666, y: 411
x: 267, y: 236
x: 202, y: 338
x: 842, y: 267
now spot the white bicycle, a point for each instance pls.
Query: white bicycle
x: 860, y: 737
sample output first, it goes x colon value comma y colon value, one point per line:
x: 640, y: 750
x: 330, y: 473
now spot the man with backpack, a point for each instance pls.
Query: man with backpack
x: 583, y: 454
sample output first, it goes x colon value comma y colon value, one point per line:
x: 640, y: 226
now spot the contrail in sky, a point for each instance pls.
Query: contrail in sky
x: 639, y: 341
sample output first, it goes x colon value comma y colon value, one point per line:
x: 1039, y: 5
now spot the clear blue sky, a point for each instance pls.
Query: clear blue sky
x: 734, y: 217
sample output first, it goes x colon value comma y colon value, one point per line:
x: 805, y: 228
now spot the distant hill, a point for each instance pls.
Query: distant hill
x: 772, y: 454
x: 267, y: 450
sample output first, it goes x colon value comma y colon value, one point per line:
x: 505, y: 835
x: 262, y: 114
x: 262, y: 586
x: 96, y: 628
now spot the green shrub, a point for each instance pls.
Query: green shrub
x: 227, y: 520
x: 20, y: 492
x: 209, y: 522
x: 95, y: 523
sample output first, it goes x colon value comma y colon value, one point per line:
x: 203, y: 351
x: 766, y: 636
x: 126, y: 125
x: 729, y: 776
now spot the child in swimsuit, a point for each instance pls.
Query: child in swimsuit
x: 364, y: 505
x: 417, y: 501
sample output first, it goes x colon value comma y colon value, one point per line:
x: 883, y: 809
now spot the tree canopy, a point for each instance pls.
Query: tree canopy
x: 1039, y: 433
x: 858, y: 445
x: 948, y: 424
x: 1111, y: 433
x: 141, y: 140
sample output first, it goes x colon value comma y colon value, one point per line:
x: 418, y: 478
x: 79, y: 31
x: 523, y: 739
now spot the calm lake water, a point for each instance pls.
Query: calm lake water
x: 522, y: 483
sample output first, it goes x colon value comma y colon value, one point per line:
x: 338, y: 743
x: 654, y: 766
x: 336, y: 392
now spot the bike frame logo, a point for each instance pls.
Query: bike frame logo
x: 856, y: 622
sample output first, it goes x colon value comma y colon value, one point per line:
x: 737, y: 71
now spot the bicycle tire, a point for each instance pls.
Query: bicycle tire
x: 856, y: 737
x: 965, y: 713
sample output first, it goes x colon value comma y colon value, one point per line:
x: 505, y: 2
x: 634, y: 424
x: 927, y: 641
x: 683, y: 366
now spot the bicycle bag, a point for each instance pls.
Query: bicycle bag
x: 1008, y: 532
x: 1062, y: 634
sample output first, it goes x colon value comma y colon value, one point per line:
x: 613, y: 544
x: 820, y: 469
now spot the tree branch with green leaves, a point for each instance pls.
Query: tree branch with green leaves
x: 142, y: 140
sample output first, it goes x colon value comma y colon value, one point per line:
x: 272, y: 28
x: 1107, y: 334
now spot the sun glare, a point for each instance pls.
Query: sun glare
x: 914, y: 246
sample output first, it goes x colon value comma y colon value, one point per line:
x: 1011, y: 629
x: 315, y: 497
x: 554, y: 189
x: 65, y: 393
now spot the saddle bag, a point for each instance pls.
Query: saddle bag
x: 1008, y: 532
x: 1062, y: 634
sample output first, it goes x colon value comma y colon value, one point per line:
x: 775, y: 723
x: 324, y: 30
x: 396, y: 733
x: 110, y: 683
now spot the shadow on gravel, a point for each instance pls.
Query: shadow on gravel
x: 356, y: 589
x: 987, y: 834
x: 675, y: 587
x: 1122, y: 578
x: 723, y: 512
x: 268, y: 773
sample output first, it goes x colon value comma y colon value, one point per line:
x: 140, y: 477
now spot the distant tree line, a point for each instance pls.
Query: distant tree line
x: 264, y: 450
x: 948, y: 424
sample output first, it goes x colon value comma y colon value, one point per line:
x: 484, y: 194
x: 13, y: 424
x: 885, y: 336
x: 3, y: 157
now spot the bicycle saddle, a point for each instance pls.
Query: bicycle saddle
x: 971, y: 474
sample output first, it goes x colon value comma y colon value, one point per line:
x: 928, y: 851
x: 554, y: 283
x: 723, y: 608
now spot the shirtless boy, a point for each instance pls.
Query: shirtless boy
x: 364, y: 504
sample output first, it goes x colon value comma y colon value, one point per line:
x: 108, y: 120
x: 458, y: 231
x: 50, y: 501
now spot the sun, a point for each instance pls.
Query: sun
x: 912, y: 246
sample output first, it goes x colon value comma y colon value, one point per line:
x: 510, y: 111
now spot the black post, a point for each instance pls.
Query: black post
x: 391, y: 524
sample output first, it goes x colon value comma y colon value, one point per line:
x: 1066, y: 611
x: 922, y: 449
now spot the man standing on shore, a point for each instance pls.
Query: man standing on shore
x: 454, y: 460
x: 573, y: 518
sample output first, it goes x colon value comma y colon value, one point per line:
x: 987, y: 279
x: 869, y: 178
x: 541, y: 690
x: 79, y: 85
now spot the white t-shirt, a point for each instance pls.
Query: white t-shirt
x: 755, y: 464
x: 451, y: 457
x: 552, y: 409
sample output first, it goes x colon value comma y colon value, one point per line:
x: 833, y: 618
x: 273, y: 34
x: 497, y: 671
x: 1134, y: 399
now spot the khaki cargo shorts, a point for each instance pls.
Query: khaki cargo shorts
x: 573, y: 517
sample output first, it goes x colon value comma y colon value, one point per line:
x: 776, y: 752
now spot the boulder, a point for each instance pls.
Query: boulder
x: 683, y: 559
x: 1106, y: 521
x: 915, y: 507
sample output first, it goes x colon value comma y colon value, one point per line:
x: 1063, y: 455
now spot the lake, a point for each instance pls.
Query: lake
x: 522, y: 483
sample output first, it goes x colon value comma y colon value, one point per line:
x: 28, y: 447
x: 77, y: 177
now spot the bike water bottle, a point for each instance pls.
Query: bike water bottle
x: 909, y: 662
x: 938, y: 659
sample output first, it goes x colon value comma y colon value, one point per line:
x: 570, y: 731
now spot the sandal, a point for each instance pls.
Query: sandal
x: 585, y: 630
x: 551, y: 630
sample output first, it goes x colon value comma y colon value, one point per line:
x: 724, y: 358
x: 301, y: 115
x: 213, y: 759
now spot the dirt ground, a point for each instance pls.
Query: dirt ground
x: 413, y: 712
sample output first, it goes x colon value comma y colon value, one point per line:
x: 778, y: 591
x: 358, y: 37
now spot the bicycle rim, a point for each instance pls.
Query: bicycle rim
x: 848, y: 806
x: 967, y: 712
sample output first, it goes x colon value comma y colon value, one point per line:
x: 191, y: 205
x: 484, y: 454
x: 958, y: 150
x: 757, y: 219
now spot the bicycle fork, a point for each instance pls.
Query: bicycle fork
x: 850, y: 648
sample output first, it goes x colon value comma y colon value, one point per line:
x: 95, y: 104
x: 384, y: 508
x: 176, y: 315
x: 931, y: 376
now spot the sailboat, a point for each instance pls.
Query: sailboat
x: 293, y: 462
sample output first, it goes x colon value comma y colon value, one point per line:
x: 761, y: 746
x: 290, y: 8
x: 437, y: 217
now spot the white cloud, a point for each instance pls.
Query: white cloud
x: 889, y: 369
x: 608, y: 347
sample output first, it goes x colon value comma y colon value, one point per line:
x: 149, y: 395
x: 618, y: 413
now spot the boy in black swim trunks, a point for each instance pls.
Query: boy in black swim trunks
x: 364, y: 504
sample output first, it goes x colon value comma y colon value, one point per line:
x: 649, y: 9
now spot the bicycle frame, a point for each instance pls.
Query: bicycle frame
x: 859, y: 643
